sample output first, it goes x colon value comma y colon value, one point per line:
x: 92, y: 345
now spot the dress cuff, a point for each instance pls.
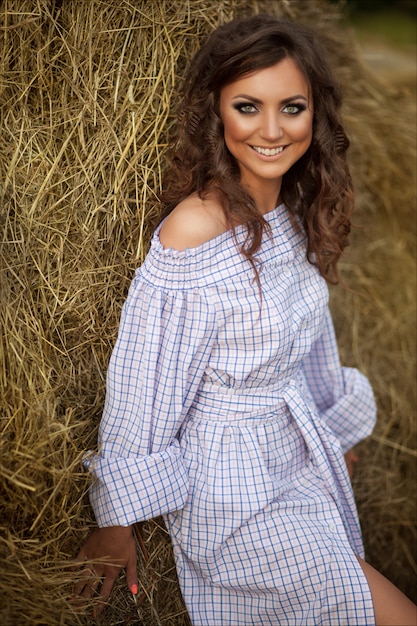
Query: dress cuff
x: 353, y: 416
x: 129, y: 490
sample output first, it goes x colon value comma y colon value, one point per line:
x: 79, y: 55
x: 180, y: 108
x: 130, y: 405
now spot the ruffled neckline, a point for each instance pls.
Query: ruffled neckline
x: 219, y: 259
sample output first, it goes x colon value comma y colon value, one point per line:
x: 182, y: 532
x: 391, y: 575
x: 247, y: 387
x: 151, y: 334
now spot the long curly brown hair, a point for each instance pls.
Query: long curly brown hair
x: 317, y: 188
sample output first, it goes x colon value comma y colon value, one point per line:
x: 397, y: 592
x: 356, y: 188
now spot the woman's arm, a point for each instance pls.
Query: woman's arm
x: 342, y: 395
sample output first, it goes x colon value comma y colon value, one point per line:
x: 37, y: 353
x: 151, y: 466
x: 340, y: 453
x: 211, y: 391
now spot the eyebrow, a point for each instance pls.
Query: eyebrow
x: 257, y: 101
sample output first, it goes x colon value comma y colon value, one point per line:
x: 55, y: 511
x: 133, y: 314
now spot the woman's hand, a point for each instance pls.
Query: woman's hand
x: 104, y: 554
x: 351, y: 459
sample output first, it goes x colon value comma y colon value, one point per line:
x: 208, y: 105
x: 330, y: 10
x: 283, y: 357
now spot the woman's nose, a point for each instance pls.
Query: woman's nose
x: 271, y: 126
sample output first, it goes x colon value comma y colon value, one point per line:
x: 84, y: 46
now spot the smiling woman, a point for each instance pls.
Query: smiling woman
x: 227, y: 409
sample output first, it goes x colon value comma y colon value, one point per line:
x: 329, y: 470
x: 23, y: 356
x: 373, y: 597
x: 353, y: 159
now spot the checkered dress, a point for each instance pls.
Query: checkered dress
x: 229, y: 413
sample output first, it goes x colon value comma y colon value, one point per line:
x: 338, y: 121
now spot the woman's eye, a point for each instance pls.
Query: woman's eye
x: 294, y: 109
x: 246, y: 108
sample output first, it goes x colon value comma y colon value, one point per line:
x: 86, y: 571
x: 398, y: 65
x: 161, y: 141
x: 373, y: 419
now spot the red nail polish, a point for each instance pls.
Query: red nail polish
x: 134, y: 589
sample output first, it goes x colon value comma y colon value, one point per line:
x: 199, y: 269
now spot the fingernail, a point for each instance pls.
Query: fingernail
x: 134, y: 589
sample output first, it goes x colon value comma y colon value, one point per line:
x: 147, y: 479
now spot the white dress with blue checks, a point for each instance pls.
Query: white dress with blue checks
x: 229, y: 413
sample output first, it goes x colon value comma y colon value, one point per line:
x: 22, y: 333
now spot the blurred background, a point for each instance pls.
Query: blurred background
x: 383, y: 21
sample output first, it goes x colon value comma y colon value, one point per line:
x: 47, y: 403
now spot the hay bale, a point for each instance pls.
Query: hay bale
x: 85, y: 106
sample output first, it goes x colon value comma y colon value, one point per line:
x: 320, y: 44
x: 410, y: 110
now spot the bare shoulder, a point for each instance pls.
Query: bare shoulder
x: 193, y: 222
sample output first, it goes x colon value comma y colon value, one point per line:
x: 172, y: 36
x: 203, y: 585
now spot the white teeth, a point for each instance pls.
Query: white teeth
x: 268, y: 151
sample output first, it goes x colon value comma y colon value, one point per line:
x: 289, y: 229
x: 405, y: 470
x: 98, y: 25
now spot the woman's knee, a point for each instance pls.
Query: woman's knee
x: 391, y: 606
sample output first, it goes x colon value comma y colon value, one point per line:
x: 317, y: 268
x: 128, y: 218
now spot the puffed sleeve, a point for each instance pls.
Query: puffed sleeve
x: 161, y: 352
x: 342, y: 395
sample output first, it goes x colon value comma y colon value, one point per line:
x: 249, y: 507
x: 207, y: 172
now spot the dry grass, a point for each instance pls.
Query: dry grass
x: 85, y: 95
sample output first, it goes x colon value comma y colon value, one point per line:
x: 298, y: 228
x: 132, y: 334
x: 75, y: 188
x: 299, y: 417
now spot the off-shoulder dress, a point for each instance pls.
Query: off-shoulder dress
x: 228, y: 413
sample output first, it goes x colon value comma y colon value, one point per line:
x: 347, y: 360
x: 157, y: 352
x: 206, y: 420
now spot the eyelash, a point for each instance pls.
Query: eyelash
x: 240, y: 107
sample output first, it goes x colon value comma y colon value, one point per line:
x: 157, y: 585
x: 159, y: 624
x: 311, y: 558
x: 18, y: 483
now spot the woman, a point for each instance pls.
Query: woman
x: 227, y: 410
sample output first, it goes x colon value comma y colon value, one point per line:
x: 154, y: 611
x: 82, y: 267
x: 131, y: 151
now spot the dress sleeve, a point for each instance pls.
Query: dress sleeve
x: 342, y: 395
x: 161, y: 352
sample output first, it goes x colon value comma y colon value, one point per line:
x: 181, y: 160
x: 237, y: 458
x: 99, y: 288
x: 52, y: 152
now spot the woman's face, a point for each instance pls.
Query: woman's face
x: 268, y: 122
